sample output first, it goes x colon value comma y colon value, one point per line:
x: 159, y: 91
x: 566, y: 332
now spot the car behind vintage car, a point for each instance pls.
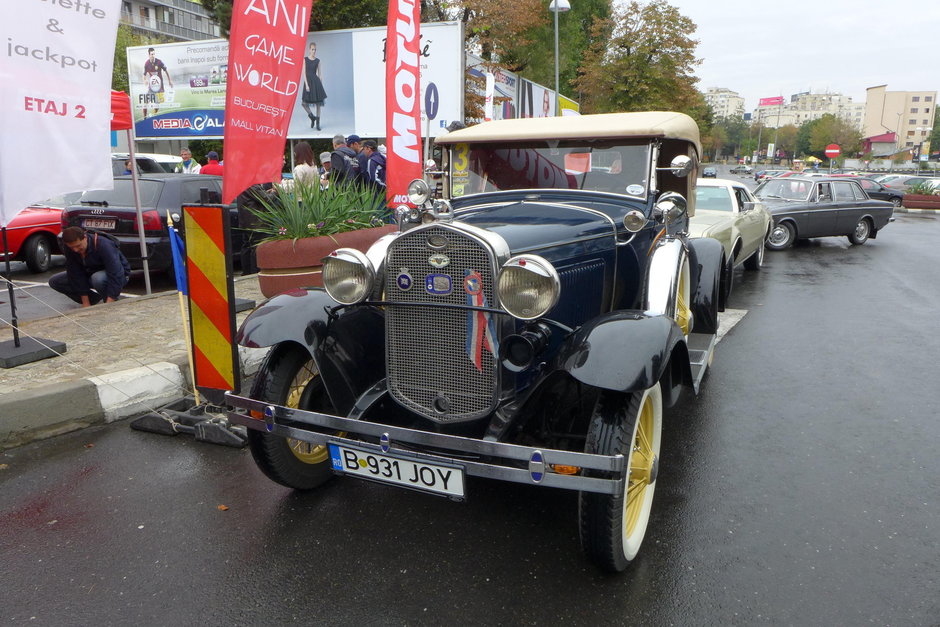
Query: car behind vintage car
x: 530, y: 327
x: 741, y: 169
x: 818, y: 207
x: 32, y: 233
x: 727, y: 211
x: 113, y: 211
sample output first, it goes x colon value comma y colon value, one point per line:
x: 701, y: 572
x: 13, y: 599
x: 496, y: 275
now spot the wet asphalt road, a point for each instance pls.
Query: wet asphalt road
x: 802, y: 487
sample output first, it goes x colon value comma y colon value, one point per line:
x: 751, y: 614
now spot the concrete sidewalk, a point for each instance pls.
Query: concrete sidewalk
x: 122, y: 359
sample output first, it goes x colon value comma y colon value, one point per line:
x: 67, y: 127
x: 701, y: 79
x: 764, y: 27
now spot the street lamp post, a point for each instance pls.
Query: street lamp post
x: 556, y: 7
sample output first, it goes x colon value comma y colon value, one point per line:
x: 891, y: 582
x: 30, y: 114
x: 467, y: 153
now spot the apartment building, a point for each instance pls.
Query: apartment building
x: 724, y: 103
x: 807, y: 106
x: 909, y: 115
x: 172, y: 20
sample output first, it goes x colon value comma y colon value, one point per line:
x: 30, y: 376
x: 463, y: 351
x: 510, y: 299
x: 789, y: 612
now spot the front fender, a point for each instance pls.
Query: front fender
x: 348, y: 347
x: 708, y: 257
x: 624, y: 351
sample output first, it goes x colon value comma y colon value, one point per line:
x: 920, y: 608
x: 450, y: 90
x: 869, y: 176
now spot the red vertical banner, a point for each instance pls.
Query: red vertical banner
x: 266, y: 51
x: 402, y: 98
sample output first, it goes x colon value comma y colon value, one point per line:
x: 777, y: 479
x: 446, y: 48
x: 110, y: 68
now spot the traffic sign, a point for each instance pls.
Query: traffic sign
x: 832, y: 150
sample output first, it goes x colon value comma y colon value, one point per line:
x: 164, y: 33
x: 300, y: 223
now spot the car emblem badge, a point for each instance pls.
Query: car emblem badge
x: 437, y: 242
x: 404, y: 280
x: 473, y: 283
x: 438, y: 284
x: 385, y: 442
x: 537, y: 466
x: 439, y: 260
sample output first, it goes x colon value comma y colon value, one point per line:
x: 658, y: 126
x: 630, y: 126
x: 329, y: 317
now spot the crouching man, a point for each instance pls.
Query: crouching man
x: 95, y: 268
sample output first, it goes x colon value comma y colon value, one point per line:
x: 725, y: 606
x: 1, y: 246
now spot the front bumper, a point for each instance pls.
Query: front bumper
x: 478, y: 458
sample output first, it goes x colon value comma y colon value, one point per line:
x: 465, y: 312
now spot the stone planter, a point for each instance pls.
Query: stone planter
x: 920, y: 201
x: 286, y: 264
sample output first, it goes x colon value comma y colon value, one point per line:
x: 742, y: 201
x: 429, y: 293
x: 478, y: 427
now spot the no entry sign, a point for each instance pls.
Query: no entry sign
x: 832, y: 150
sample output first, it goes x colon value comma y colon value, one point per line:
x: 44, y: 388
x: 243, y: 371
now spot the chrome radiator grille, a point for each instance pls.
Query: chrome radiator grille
x: 429, y: 368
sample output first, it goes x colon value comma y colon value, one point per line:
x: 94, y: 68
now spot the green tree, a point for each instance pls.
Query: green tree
x: 641, y: 59
x: 832, y: 130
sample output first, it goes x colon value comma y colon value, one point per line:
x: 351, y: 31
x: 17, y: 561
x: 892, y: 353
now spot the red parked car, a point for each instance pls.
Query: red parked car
x: 32, y: 233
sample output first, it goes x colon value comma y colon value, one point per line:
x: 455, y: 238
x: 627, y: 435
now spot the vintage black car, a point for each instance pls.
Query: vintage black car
x: 805, y: 207
x: 529, y: 327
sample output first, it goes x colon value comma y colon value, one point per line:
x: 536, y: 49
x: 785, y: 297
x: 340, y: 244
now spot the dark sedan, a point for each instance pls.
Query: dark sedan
x: 113, y: 211
x: 876, y: 190
x: 819, y: 207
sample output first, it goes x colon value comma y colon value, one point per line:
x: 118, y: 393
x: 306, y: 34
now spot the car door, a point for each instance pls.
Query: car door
x: 852, y: 204
x: 821, y: 213
x: 751, y: 223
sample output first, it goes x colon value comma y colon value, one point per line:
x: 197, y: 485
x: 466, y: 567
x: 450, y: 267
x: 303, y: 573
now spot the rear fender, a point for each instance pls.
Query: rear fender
x: 624, y: 351
x: 348, y: 348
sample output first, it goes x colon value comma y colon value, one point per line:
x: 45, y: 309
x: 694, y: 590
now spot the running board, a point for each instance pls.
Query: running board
x: 701, y: 350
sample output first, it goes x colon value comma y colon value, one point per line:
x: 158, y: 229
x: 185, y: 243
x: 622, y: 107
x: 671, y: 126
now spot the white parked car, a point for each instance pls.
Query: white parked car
x: 727, y: 211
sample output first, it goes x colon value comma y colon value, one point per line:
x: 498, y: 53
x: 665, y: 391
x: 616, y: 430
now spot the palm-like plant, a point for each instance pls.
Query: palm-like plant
x: 304, y: 210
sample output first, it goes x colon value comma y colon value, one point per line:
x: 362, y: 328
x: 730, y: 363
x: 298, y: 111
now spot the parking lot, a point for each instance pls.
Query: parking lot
x: 800, y: 488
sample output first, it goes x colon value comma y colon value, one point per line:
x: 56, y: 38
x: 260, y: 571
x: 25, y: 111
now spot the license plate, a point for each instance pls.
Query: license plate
x: 410, y: 473
x: 97, y: 223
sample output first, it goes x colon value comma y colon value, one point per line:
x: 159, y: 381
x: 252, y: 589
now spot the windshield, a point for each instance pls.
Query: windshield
x: 791, y: 189
x: 123, y: 194
x: 712, y: 199
x: 602, y: 165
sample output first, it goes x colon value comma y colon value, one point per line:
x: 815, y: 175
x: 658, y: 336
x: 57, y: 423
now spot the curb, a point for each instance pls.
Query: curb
x: 41, y: 413
x: 906, y: 210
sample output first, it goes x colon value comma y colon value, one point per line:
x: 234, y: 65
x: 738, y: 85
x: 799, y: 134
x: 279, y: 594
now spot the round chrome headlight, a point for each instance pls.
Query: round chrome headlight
x: 348, y: 276
x: 418, y: 192
x: 528, y: 287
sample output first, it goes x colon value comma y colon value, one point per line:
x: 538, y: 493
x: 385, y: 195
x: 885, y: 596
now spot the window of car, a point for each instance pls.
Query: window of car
x: 191, y: 191
x: 713, y: 199
x: 601, y: 165
x: 842, y: 192
x: 823, y: 193
x: 791, y: 189
x: 123, y: 194
x: 743, y: 196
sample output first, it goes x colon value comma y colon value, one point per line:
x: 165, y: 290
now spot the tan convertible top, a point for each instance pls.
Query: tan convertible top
x: 651, y: 124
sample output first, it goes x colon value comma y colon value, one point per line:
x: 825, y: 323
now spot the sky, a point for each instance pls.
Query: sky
x: 761, y: 49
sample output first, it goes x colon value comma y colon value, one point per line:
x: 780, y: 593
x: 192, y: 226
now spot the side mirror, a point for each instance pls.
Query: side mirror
x: 748, y: 206
x: 681, y: 165
x: 671, y: 206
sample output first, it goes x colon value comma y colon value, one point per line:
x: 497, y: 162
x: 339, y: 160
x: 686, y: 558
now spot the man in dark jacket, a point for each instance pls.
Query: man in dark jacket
x: 95, y: 268
x: 343, y: 163
x: 375, y: 165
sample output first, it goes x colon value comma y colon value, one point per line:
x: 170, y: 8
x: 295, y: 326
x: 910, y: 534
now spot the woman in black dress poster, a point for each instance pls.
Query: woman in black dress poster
x: 313, y: 94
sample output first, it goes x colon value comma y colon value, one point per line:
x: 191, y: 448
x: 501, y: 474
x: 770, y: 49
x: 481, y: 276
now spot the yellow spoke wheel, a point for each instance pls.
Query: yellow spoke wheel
x: 612, y: 526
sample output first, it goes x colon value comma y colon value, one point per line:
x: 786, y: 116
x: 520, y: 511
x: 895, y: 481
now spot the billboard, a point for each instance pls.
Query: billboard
x: 350, y: 66
x: 770, y: 102
x: 178, y: 90
x: 505, y: 88
x: 535, y: 101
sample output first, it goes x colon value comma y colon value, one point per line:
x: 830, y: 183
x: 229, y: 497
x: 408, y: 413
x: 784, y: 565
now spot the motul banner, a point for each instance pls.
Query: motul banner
x: 55, y: 75
x: 402, y: 98
x: 264, y: 66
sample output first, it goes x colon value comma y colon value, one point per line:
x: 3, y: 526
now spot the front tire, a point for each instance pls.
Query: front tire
x: 861, y: 232
x: 612, y: 527
x: 290, y: 377
x: 37, y: 252
x: 896, y: 201
x: 781, y: 236
x: 756, y: 260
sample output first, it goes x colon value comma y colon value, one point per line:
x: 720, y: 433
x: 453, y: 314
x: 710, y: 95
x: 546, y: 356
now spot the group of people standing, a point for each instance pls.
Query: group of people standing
x: 352, y: 159
x: 188, y: 165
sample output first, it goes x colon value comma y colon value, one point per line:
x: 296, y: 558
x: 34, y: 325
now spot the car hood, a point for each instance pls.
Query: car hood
x: 533, y: 225
x: 780, y: 205
x: 704, y: 220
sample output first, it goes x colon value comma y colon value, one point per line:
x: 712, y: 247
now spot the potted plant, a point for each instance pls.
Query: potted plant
x: 300, y: 224
x: 922, y: 196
